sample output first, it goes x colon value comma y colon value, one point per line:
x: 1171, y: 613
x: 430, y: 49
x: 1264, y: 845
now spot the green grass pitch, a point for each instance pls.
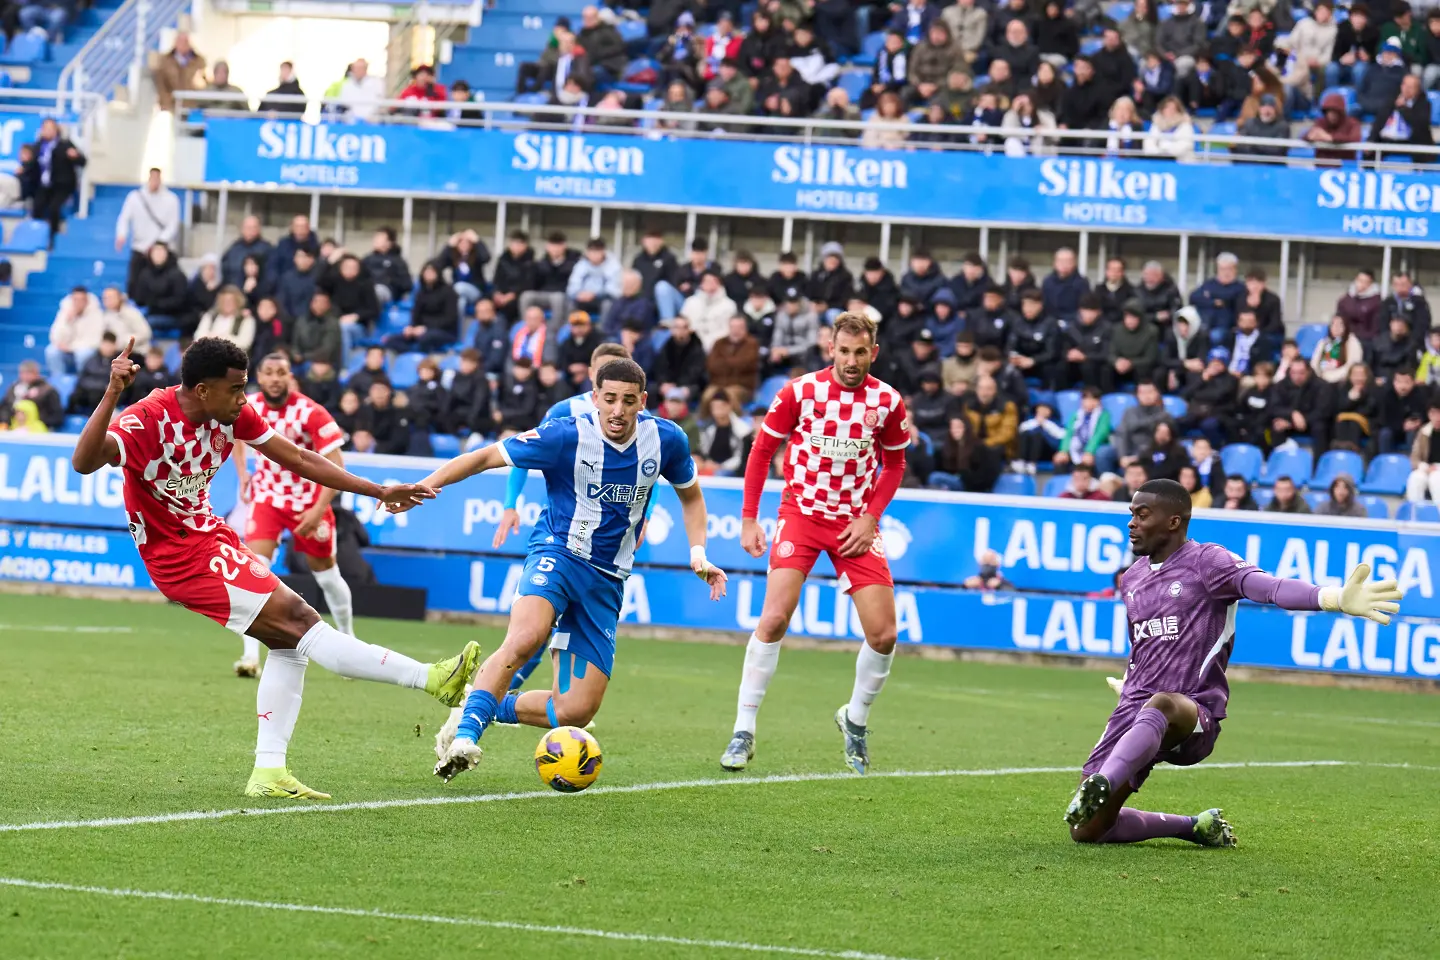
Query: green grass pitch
x: 142, y: 717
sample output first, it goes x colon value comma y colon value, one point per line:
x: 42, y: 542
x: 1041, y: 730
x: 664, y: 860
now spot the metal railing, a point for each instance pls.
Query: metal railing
x: 116, y: 54
x: 653, y: 124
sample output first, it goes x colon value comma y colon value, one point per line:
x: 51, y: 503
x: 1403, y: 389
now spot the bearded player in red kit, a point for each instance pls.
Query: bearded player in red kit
x: 840, y: 424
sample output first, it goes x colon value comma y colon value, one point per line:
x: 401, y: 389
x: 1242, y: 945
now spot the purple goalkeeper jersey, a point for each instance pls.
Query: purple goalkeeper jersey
x: 1182, y: 620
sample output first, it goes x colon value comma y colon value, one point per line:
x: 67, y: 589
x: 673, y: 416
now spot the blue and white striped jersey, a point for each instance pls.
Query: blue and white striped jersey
x: 576, y: 406
x: 597, y: 491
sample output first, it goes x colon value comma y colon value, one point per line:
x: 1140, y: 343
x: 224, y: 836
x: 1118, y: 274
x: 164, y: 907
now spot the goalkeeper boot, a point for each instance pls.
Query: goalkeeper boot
x: 447, y: 679
x: 1091, y: 795
x: 276, y: 783
x: 1213, y: 830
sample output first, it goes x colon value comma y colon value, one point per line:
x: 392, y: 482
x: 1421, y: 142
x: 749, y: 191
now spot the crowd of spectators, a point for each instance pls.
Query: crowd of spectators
x: 1001, y: 373
x: 1017, y: 66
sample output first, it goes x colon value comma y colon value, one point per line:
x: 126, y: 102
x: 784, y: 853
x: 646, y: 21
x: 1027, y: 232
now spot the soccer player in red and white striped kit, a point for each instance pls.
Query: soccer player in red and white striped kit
x: 838, y: 425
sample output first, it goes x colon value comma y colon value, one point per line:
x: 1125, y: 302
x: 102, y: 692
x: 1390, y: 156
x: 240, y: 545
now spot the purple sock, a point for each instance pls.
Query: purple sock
x: 1132, y: 826
x: 1136, y: 748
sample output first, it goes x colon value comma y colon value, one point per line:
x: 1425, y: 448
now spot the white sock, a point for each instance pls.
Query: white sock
x: 252, y: 649
x: 349, y: 657
x: 871, y: 669
x: 337, y: 597
x: 760, y: 661
x: 277, y: 705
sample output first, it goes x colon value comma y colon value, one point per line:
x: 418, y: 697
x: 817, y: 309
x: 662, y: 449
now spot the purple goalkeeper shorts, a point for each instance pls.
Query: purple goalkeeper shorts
x: 1191, y: 750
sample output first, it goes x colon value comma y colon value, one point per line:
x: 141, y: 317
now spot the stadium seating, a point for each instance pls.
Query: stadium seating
x: 445, y: 444
x: 1308, y: 337
x: 1262, y: 497
x: 1244, y: 459
x: 1175, y: 406
x: 1418, y: 512
x: 1376, y: 507
x: 30, y: 236
x: 404, y: 370
x: 1387, y: 474
x: 1293, y: 463
x: 1066, y: 403
x: 1056, y: 485
x: 1015, y: 485
x: 1335, y: 462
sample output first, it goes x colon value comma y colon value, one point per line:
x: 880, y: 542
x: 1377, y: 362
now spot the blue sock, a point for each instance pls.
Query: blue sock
x: 505, y: 713
x: 550, y: 712
x: 523, y: 674
x: 479, y: 710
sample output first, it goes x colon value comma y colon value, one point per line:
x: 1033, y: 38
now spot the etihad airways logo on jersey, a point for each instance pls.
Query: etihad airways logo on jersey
x: 1156, y: 629
x: 616, y: 492
x: 189, y: 486
x: 840, y: 448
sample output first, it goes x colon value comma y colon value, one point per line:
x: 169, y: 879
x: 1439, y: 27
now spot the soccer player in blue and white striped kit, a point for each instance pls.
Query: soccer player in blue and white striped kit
x: 600, y: 472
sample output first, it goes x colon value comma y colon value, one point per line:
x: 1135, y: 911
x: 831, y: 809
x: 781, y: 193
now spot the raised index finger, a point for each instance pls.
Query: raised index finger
x: 128, y: 347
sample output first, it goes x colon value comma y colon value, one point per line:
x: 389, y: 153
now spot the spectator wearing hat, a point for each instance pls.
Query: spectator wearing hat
x: 832, y: 284
x: 573, y: 354
x: 1379, y: 90
x: 945, y: 320
x: 1064, y: 287
x: 734, y: 362
x: 1268, y: 124
x: 1211, y: 398
x: 681, y: 361
x: 709, y: 310
x: 1333, y: 130
x: 1404, y: 121
x: 595, y: 281
x: 1134, y: 346
x: 795, y: 336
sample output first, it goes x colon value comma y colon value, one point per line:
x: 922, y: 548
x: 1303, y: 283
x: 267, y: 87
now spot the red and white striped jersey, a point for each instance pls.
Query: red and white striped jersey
x: 833, y: 433
x: 306, y: 424
x: 168, y: 463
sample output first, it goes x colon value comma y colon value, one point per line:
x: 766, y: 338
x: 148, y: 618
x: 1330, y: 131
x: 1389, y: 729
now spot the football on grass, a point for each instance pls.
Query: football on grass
x: 568, y: 759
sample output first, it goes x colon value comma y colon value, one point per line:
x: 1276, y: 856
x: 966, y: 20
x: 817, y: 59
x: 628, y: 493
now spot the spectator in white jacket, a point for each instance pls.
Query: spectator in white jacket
x: 709, y: 310
x: 151, y: 215
x: 360, y: 93
x: 1312, y: 45
x: 229, y: 319
x: 595, y: 281
x: 1172, y: 133
x: 122, y: 319
x: 75, y: 334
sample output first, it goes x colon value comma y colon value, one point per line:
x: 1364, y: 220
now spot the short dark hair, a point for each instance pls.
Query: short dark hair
x: 471, y: 354
x: 79, y: 288
x: 518, y: 235
x: 1285, y: 479
x: 621, y: 371
x: 388, y: 231
x: 789, y: 257
x: 595, y: 243
x: 1169, y: 495
x: 555, y: 236
x: 700, y: 245
x: 210, y: 358
x: 274, y: 355
x: 1091, y: 301
x: 990, y: 354
x: 1402, y: 372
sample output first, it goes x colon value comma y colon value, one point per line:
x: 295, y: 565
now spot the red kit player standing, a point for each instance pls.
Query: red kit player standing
x: 836, y: 423
x: 169, y: 446
x: 280, y: 500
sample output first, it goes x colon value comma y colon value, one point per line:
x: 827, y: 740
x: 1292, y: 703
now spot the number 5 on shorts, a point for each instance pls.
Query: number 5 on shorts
x: 545, y: 564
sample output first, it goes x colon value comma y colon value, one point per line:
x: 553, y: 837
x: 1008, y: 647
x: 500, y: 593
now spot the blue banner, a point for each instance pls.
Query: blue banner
x: 1059, y: 546
x: 1265, y: 636
x: 791, y: 178
x: 83, y: 558
x: 17, y: 130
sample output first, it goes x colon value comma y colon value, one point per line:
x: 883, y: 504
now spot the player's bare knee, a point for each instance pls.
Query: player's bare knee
x: 883, y: 641
x: 771, y: 627
x: 574, y: 713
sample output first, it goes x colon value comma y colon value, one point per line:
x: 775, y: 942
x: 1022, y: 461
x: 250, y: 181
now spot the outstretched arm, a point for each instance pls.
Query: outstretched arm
x: 1360, y: 596
x: 312, y: 466
x: 692, y: 508
x: 490, y: 457
x: 97, y: 446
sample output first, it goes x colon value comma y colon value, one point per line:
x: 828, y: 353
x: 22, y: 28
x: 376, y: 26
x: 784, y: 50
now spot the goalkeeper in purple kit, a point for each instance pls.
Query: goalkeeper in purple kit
x: 1180, y: 601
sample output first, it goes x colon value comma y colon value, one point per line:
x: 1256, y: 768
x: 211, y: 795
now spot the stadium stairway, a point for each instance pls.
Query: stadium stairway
x: 35, y: 64
x: 512, y: 32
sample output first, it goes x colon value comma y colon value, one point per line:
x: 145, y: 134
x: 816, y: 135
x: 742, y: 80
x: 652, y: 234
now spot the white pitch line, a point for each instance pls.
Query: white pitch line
x: 731, y: 945
x: 55, y: 628
x: 439, y: 801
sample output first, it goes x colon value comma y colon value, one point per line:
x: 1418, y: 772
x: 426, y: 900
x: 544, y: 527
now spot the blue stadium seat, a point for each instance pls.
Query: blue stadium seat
x: 1434, y: 97
x: 451, y: 361
x: 74, y: 423
x: 1262, y: 496
x: 1175, y: 406
x: 1224, y: 128
x: 1375, y: 506
x: 1244, y: 459
x: 404, y: 370
x: 172, y: 358
x: 1316, y: 498
x: 1056, y: 485
x: 870, y: 48
x: 1090, y: 46
x: 768, y: 389
x: 854, y: 82
x: 445, y: 444
x: 25, y: 48
x: 356, y: 361
x: 1067, y: 402
x: 1015, y: 485
x: 1387, y: 474
x: 1038, y: 396
x: 1334, y: 463
x: 1418, y: 512
x: 1308, y: 337
x: 30, y: 236
x: 658, y: 338
x: 64, y: 385
x: 1117, y: 404
x: 1119, y: 11
x: 1295, y: 464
